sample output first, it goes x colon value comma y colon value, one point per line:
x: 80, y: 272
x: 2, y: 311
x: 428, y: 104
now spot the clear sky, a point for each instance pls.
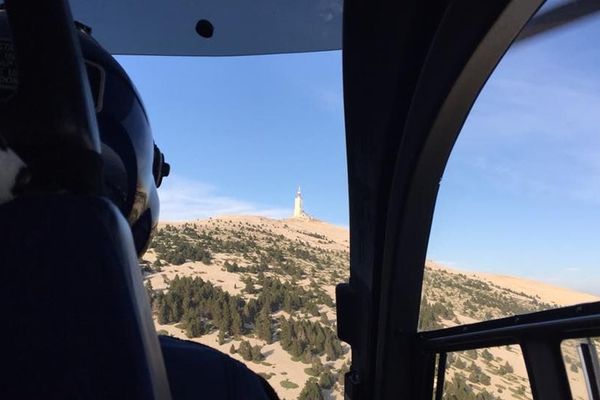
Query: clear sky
x: 521, y: 193
x: 241, y: 133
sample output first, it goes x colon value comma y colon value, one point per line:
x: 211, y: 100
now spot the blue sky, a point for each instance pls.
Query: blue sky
x: 521, y: 192
x: 241, y: 133
x: 520, y: 195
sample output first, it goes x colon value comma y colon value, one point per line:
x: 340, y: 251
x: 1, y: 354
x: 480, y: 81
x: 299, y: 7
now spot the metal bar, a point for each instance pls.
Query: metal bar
x: 441, y: 373
x: 589, y: 361
x: 571, y: 328
x: 53, y: 119
x: 559, y: 16
x: 545, y: 369
x: 569, y: 322
x: 426, y: 365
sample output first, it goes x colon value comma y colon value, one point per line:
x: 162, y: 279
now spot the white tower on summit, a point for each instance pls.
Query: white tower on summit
x: 298, y: 208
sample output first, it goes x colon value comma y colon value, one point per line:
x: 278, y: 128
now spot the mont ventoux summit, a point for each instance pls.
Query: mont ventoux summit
x: 263, y: 291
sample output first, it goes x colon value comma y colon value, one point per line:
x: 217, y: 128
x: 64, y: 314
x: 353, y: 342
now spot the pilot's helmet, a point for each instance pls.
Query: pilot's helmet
x: 133, y: 166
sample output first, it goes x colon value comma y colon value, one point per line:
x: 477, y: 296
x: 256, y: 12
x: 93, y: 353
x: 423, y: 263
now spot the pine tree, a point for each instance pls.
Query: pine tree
x: 250, y: 310
x: 245, y: 350
x: 471, y: 354
x: 324, y: 319
x: 505, y: 369
x: 296, y: 349
x: 232, y: 349
x: 256, y: 354
x: 329, y: 350
x: 149, y: 291
x: 285, y: 335
x: 307, y: 356
x: 287, y: 303
x: 487, y: 355
x: 163, y: 312
x: 342, y: 373
x: 263, y: 326
x: 320, y: 341
x: 194, y: 326
x: 225, y: 324
x: 326, y: 380
x: 337, y: 346
x: 317, y: 366
x: 236, y: 319
x: 249, y: 288
x: 311, y: 391
x: 221, y: 337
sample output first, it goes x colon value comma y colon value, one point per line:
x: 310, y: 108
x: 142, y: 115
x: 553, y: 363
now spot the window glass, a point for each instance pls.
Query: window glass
x: 517, y: 218
x: 581, y: 367
x: 486, y: 374
x: 244, y: 260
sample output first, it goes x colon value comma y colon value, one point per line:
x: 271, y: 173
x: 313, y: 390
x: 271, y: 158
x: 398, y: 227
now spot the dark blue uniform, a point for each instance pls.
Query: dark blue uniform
x: 197, y: 371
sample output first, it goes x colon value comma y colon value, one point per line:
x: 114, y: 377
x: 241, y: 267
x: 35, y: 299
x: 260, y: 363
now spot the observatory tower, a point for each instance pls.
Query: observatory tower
x: 298, y: 207
x: 299, y: 212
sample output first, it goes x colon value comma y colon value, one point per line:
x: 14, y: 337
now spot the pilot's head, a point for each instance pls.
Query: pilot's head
x: 133, y: 166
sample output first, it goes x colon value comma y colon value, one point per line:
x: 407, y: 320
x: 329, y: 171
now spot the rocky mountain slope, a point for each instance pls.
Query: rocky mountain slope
x: 263, y: 291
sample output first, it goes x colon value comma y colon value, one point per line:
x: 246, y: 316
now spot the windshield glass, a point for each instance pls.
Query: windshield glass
x: 253, y: 232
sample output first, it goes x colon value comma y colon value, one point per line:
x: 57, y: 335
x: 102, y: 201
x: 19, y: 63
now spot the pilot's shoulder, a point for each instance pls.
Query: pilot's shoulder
x: 199, y: 371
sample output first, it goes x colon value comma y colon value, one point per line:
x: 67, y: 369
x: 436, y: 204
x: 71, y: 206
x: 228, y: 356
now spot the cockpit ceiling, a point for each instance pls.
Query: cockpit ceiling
x: 240, y: 27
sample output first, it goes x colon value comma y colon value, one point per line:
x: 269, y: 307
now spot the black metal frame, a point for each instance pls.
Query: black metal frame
x: 561, y: 15
x: 591, y: 369
x: 67, y: 227
x: 578, y: 321
x: 539, y: 334
x: 411, y: 75
x: 440, y: 375
x: 61, y: 144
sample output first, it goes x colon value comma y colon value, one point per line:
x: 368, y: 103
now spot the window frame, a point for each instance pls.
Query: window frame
x: 394, y: 171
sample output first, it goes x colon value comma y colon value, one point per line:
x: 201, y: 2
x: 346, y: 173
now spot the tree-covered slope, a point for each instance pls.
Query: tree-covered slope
x: 263, y: 290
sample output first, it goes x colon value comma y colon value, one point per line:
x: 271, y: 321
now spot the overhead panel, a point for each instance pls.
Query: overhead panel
x: 212, y: 27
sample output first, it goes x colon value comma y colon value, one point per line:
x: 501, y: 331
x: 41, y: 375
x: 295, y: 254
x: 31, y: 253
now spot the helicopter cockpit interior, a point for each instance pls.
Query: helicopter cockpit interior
x: 412, y: 71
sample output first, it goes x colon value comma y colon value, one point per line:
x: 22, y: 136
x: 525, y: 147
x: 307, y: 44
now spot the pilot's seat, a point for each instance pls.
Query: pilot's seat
x: 77, y: 324
x: 78, y: 203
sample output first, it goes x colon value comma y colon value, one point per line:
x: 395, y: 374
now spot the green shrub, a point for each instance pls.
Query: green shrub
x: 287, y: 384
